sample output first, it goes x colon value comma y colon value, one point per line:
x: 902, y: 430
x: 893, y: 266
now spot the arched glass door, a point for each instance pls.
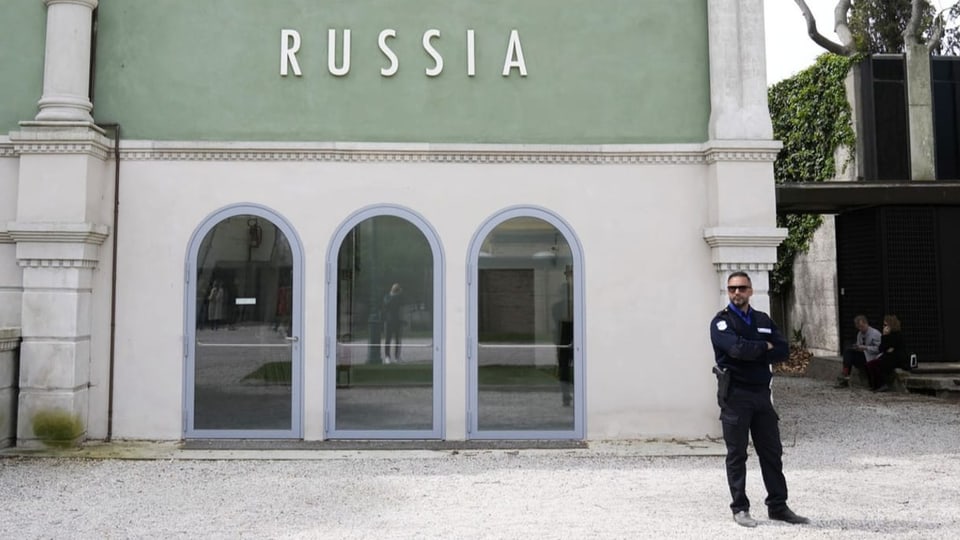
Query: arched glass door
x: 243, y: 370
x: 526, y: 367
x: 385, y: 323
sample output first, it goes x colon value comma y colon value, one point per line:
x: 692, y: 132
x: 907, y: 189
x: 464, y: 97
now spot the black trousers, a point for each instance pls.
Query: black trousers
x: 855, y: 358
x: 748, y: 412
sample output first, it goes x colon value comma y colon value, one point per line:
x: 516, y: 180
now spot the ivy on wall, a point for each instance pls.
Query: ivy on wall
x: 811, y: 115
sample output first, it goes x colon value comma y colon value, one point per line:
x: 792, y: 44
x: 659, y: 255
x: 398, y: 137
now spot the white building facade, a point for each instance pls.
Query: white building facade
x: 377, y: 220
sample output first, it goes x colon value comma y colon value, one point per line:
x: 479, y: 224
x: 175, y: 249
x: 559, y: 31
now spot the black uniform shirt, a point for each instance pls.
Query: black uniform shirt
x: 742, y: 347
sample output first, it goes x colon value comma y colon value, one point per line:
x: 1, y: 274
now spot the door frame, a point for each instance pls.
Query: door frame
x: 579, y: 373
x: 330, y: 331
x: 190, y: 326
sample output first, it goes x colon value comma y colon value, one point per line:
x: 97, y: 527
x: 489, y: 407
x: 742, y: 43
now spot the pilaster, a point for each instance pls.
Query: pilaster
x: 741, y: 221
x: 9, y: 367
x: 738, y: 86
x: 920, y: 112
x: 61, y: 197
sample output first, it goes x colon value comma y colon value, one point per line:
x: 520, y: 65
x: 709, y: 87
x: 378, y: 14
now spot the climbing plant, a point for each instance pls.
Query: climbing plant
x: 811, y: 115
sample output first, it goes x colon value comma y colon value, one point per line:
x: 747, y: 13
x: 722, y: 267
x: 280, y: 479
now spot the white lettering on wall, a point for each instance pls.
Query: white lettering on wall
x: 388, y: 52
x: 332, y: 53
x: 289, y: 45
x: 514, y: 57
x: 471, y: 55
x: 437, y: 59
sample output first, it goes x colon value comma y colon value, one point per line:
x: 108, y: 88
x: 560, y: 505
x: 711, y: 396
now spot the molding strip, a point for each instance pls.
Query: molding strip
x: 538, y: 154
x: 678, y: 154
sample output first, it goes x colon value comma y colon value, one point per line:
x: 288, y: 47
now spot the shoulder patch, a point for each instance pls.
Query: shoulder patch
x: 721, y: 325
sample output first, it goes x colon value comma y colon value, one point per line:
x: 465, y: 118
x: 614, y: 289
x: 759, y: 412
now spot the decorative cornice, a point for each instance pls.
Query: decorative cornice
x: 9, y: 339
x: 57, y: 263
x: 5, y: 237
x: 736, y: 150
x: 727, y: 267
x: 81, y: 233
x: 744, y: 236
x: 626, y: 154
x: 58, y: 138
x: 43, y: 139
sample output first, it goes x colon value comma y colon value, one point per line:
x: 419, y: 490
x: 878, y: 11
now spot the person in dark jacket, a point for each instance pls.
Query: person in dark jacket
x: 393, y: 323
x: 893, y: 354
x: 746, y: 343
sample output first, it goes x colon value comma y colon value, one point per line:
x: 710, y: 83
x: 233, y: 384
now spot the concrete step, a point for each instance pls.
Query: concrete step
x: 935, y: 379
x: 938, y: 367
x: 940, y: 385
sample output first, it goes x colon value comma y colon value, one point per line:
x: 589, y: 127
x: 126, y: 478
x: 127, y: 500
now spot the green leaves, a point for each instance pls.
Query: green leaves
x: 811, y: 115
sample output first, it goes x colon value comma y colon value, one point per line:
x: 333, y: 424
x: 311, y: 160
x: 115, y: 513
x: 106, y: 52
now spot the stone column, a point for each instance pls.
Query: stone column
x: 9, y: 364
x: 741, y: 230
x: 920, y: 112
x: 63, y: 203
x: 66, y: 71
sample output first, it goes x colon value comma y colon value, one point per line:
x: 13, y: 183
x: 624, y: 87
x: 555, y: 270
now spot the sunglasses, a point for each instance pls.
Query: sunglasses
x: 735, y: 288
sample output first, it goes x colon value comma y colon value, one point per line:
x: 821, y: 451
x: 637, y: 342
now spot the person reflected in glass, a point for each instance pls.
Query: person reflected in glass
x: 563, y: 337
x: 392, y: 322
x: 215, y: 304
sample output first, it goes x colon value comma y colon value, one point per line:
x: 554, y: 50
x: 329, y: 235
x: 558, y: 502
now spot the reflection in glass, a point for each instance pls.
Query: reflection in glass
x: 243, y: 361
x: 384, y: 327
x: 525, y: 326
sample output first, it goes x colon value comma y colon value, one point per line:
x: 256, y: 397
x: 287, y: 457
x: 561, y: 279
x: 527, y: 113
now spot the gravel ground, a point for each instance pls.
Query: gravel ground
x: 860, y: 465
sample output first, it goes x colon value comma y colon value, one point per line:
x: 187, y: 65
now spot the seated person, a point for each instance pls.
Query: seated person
x: 866, y: 349
x: 893, y: 355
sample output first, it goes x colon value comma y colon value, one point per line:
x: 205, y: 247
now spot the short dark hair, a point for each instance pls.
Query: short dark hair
x: 739, y: 273
x: 859, y: 318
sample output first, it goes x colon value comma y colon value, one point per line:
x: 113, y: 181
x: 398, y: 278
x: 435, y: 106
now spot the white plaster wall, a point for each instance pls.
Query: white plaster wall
x: 100, y: 304
x: 814, y: 302
x: 649, y: 279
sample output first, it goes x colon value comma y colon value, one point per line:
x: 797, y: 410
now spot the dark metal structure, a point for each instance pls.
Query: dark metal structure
x: 898, y: 241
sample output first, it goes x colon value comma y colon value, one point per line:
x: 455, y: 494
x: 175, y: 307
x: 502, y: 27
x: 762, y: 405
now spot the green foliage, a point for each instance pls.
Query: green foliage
x: 877, y: 25
x: 798, y: 339
x: 812, y: 117
x: 57, y: 428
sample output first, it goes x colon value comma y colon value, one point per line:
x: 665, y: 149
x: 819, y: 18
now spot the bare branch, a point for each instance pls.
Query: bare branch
x: 913, y: 26
x: 843, y: 49
x: 936, y: 34
x: 841, y: 24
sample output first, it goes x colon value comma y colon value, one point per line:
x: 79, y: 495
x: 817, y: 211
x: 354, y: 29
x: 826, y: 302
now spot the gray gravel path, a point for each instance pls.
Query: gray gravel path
x: 860, y: 465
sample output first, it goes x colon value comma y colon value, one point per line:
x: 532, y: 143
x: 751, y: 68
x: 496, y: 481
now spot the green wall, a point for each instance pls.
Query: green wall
x: 22, y: 30
x: 599, y: 71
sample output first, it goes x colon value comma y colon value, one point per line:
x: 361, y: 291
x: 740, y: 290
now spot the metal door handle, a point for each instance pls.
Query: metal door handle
x: 292, y: 338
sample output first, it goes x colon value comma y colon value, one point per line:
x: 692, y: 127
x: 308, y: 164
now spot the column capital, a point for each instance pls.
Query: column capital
x: 59, y: 233
x: 58, y: 245
x: 763, y: 237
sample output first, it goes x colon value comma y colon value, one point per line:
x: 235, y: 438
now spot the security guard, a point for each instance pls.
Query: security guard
x: 746, y: 343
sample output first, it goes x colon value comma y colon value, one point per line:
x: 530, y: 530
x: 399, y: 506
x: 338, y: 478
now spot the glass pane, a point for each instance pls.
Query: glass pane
x: 243, y: 361
x: 525, y: 327
x: 384, y: 328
